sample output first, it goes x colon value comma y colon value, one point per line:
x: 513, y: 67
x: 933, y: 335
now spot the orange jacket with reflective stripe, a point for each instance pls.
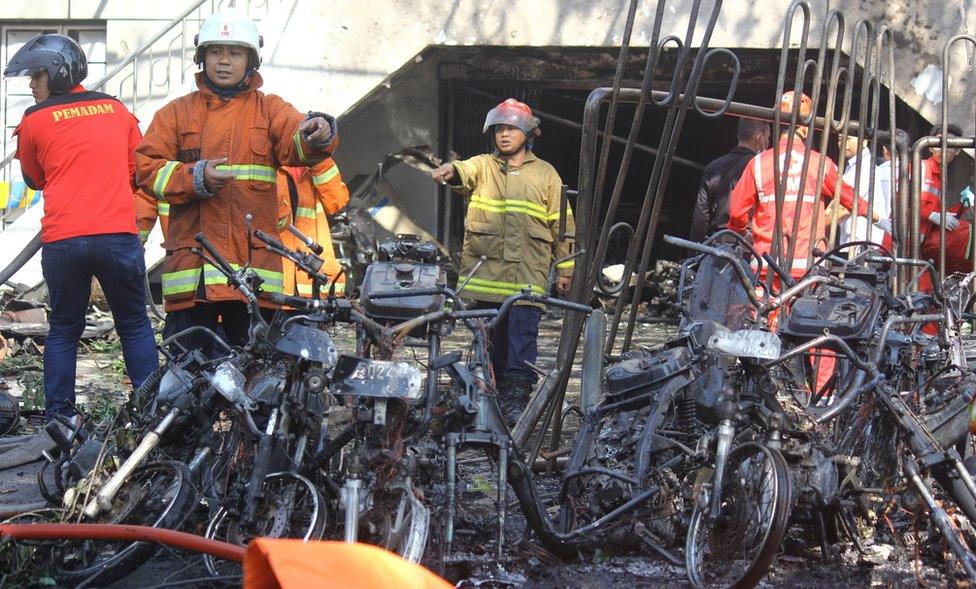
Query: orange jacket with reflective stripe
x: 755, y: 197
x: 148, y: 209
x: 257, y: 132
x: 320, y: 191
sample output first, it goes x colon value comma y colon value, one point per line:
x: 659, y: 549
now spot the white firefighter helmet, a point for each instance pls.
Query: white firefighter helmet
x: 229, y: 27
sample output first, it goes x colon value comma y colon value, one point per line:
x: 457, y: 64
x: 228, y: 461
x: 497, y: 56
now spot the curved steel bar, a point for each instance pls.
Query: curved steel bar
x: 779, y: 179
x: 662, y: 169
x: 651, y: 207
x: 837, y: 72
x: 945, y: 128
x: 809, y: 142
x: 615, y: 95
x: 737, y: 68
x: 673, y: 93
x: 624, y: 280
x: 924, y: 143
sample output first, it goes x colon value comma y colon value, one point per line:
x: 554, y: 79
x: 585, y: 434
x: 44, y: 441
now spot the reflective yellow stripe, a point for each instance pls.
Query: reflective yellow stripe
x: 306, y: 289
x: 181, y: 281
x: 187, y: 280
x: 250, y: 172
x: 143, y: 234
x: 318, y: 209
x: 162, y: 209
x: 509, y: 202
x: 305, y: 213
x: 566, y: 264
x: 512, y: 205
x: 163, y: 175
x: 501, y: 288
x: 273, y: 281
x: 555, y: 216
x: 297, y: 138
x: 326, y: 176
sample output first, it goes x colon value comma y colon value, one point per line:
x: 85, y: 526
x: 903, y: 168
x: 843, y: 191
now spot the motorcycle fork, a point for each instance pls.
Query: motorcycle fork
x: 501, y: 500
x: 255, y: 489
x: 726, y: 432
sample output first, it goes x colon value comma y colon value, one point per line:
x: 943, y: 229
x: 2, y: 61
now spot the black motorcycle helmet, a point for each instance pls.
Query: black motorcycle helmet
x: 61, y: 56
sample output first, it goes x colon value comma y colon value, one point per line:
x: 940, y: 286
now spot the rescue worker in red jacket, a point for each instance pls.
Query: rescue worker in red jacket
x: 212, y: 155
x: 754, y: 196
x: 958, y: 240
x: 77, y: 146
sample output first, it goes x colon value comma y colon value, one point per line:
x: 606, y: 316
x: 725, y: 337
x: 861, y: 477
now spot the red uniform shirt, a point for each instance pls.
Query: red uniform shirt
x: 754, y: 199
x: 79, y: 149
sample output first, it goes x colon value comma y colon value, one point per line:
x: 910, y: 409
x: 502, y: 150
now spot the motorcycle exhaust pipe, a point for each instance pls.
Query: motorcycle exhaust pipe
x: 103, y: 500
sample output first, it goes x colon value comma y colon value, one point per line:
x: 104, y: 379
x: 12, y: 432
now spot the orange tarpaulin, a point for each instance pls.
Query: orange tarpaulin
x: 293, y: 564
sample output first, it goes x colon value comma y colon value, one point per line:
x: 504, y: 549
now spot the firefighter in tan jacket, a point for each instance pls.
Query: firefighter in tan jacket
x: 512, y: 220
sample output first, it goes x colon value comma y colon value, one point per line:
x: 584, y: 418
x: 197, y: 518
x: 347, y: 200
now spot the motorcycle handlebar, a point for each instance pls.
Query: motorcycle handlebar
x: 222, y: 264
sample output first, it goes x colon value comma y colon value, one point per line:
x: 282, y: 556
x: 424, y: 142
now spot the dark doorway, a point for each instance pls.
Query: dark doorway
x: 473, y: 80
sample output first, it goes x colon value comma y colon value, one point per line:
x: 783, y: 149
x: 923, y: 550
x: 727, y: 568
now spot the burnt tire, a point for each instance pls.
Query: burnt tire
x: 103, y: 563
x: 9, y: 414
x: 712, y: 549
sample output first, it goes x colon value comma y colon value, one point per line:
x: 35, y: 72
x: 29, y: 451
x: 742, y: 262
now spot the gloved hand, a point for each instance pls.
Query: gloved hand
x: 950, y: 223
x: 884, y: 225
x: 319, y: 129
x: 966, y: 197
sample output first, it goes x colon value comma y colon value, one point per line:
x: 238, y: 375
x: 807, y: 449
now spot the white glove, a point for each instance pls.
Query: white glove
x: 951, y: 223
x: 966, y: 197
x: 884, y: 225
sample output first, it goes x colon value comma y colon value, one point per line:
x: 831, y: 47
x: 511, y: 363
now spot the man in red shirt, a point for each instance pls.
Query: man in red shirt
x: 754, y: 200
x: 78, y: 147
x: 754, y: 197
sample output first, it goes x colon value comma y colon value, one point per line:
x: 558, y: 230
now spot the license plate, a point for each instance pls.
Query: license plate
x: 376, y: 378
x: 745, y: 343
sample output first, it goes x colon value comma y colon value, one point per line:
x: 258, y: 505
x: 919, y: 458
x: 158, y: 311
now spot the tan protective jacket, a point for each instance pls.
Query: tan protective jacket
x: 513, y: 220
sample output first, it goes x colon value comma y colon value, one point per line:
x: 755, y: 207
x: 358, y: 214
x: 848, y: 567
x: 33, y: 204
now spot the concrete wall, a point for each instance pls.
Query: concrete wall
x: 329, y: 55
x: 340, y: 51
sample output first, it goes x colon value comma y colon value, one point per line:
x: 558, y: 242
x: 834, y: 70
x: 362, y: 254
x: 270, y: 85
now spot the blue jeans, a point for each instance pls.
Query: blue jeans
x: 117, y: 261
x: 513, y: 343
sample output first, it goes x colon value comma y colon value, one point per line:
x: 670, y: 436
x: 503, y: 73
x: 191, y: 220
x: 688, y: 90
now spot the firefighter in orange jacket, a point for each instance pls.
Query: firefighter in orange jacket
x: 307, y: 195
x: 212, y: 156
x: 754, y: 197
x: 319, y: 191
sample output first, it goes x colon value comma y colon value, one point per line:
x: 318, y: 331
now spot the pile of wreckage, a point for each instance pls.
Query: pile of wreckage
x: 829, y: 409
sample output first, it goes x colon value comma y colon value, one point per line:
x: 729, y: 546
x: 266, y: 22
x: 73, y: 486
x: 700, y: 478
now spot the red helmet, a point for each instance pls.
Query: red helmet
x: 786, y: 105
x: 514, y: 113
